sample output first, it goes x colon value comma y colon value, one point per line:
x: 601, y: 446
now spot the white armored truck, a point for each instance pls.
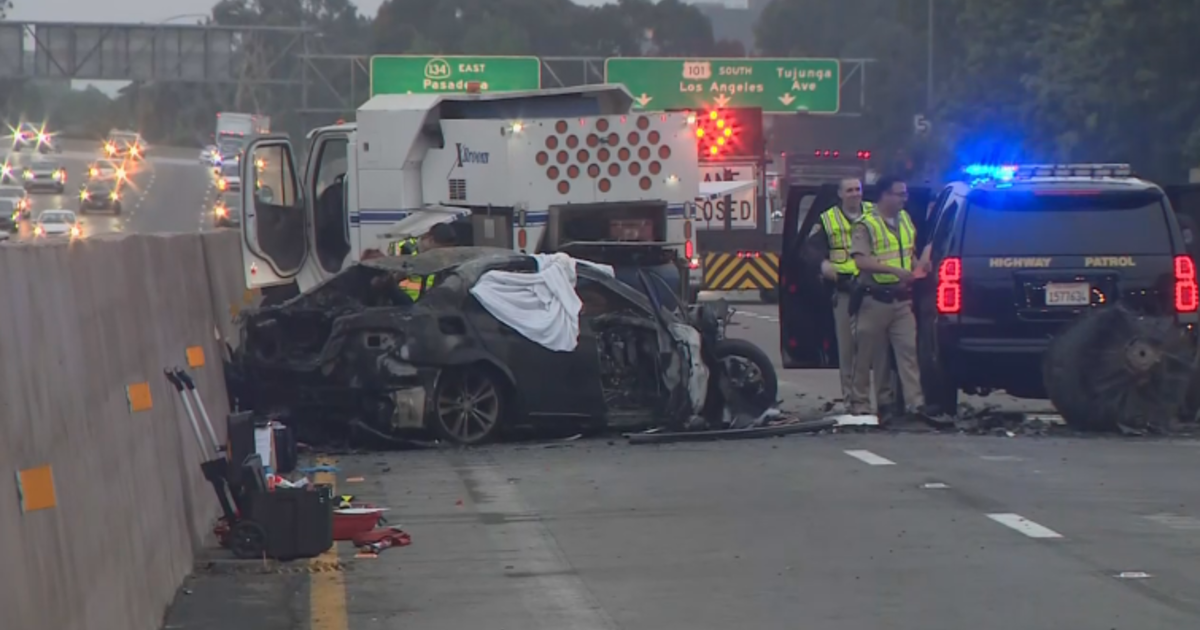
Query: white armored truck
x: 565, y: 170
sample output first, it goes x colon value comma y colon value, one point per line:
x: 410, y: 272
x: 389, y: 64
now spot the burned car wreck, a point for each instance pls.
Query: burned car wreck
x: 355, y: 357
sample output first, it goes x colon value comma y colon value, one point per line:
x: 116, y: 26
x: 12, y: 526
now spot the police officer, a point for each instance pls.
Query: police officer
x: 837, y: 223
x: 439, y: 236
x: 883, y: 246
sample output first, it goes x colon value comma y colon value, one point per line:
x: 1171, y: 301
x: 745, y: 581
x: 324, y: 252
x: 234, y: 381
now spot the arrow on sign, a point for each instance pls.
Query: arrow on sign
x: 643, y: 100
x: 722, y: 100
x: 787, y: 99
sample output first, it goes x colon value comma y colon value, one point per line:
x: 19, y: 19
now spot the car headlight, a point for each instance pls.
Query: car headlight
x: 75, y: 231
x: 84, y: 196
x: 38, y: 231
x: 58, y: 175
x: 114, y: 196
x: 28, y: 175
x: 222, y: 184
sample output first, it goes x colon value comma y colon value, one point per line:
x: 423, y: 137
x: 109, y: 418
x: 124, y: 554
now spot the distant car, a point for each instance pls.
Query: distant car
x: 30, y: 136
x: 106, y: 169
x: 227, y: 211
x: 208, y: 154
x: 57, y: 224
x: 122, y: 144
x: 230, y: 179
x: 9, y: 174
x: 18, y: 199
x: 100, y: 194
x: 45, y: 174
x: 8, y: 226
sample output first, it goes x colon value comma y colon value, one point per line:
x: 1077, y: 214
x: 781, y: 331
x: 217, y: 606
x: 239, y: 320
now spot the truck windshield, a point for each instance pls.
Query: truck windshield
x: 1020, y: 223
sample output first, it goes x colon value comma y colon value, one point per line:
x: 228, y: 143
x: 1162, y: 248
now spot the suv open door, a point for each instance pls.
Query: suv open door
x: 807, y: 334
x: 275, y: 243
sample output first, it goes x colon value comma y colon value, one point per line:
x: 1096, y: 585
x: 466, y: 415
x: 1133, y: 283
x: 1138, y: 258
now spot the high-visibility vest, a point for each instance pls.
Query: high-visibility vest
x: 892, y: 249
x: 411, y: 285
x: 838, y: 230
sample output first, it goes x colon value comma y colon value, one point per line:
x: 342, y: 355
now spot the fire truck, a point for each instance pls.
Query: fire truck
x: 572, y: 170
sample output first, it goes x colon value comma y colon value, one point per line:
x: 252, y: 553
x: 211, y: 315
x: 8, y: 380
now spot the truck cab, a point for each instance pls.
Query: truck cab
x: 570, y: 170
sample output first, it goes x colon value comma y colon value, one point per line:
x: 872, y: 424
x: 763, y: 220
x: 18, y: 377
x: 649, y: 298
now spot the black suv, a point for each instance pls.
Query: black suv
x: 1023, y: 251
x: 1018, y: 253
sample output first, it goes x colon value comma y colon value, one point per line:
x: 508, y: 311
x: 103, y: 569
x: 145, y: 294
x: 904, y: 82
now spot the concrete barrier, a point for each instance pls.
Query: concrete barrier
x: 102, y: 504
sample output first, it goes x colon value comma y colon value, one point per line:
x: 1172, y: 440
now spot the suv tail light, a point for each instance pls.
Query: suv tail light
x: 1187, y: 297
x: 949, y: 286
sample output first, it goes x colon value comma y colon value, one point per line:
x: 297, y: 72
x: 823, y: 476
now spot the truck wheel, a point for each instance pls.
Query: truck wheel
x: 769, y: 296
x: 941, y: 391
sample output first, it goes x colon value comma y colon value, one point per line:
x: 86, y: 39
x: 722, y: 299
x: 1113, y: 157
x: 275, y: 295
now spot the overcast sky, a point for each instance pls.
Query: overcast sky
x: 139, y: 10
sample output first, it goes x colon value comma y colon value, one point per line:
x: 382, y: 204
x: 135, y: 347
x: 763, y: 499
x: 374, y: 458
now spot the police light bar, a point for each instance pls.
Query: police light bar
x: 1073, y: 170
x: 1010, y: 172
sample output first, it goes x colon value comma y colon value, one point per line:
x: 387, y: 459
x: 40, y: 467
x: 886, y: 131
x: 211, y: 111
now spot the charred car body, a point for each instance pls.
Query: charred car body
x: 354, y: 353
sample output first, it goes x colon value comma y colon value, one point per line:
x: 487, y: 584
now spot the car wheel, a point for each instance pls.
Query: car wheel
x: 468, y: 405
x: 750, y: 372
x: 941, y: 391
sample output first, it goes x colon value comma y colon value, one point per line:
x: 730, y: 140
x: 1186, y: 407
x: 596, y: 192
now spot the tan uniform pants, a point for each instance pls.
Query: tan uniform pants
x: 847, y: 355
x: 878, y: 326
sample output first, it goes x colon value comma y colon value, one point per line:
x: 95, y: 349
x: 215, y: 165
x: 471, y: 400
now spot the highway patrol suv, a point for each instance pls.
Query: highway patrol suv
x: 1019, y: 252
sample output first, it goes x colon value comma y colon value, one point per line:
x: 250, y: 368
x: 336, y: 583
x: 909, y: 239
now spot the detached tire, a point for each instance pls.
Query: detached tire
x: 469, y: 405
x: 745, y: 362
x: 1113, y: 369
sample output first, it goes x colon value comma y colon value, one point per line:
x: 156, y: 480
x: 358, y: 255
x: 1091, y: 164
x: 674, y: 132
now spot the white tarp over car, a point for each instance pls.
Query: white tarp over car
x: 542, y: 306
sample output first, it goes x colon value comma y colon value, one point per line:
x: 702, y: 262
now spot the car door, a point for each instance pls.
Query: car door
x: 806, y: 326
x: 275, y: 238
x: 548, y: 383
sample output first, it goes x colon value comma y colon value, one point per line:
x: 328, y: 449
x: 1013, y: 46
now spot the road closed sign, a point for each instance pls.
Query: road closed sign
x: 722, y: 186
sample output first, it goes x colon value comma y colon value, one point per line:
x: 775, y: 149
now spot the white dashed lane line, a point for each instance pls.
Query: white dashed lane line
x: 871, y: 459
x: 1024, y: 526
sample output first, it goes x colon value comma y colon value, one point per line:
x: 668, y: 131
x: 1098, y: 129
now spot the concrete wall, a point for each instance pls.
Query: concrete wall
x: 78, y: 324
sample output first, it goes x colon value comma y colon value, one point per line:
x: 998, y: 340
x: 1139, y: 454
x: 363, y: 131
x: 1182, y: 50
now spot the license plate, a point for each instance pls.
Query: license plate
x: 1068, y: 294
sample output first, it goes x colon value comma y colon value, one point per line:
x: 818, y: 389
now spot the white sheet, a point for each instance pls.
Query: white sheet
x: 542, y: 306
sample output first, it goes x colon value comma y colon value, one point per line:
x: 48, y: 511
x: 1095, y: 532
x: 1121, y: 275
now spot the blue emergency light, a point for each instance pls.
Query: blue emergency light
x: 1007, y: 173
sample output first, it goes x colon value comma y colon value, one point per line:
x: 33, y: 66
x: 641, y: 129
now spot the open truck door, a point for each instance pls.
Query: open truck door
x: 807, y: 333
x: 275, y: 244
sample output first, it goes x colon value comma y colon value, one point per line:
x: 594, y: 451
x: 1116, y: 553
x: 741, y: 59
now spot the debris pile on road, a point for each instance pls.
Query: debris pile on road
x: 1115, y: 370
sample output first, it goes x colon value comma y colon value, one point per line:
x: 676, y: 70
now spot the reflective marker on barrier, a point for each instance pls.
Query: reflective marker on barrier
x: 195, y: 356
x: 139, y: 397
x: 36, y: 489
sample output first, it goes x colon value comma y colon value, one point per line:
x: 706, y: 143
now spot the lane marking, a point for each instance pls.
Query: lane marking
x: 327, y: 588
x: 869, y: 458
x: 1024, y: 526
x: 1001, y: 458
x: 934, y: 486
x: 1176, y: 521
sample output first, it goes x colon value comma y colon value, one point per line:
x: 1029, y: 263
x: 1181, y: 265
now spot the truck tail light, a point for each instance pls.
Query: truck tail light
x: 1187, y: 297
x: 949, y: 286
x: 522, y: 239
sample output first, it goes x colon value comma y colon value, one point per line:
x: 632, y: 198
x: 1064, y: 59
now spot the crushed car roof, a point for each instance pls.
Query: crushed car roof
x: 438, y: 260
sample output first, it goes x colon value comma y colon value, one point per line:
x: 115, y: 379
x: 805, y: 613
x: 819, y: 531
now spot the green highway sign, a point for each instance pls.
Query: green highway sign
x: 422, y: 74
x: 776, y: 85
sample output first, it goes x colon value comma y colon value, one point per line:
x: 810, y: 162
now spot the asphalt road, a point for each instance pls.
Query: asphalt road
x: 169, y: 192
x: 838, y: 532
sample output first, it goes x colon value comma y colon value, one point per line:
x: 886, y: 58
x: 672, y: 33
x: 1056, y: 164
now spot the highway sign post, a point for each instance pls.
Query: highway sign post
x: 422, y: 74
x: 778, y: 86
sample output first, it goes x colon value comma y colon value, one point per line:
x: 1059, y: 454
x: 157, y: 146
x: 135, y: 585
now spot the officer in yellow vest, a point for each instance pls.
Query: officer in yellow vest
x: 837, y: 223
x: 441, y: 235
x: 883, y: 245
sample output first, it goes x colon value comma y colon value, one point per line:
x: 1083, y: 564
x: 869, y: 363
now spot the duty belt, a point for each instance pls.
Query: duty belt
x: 888, y: 295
